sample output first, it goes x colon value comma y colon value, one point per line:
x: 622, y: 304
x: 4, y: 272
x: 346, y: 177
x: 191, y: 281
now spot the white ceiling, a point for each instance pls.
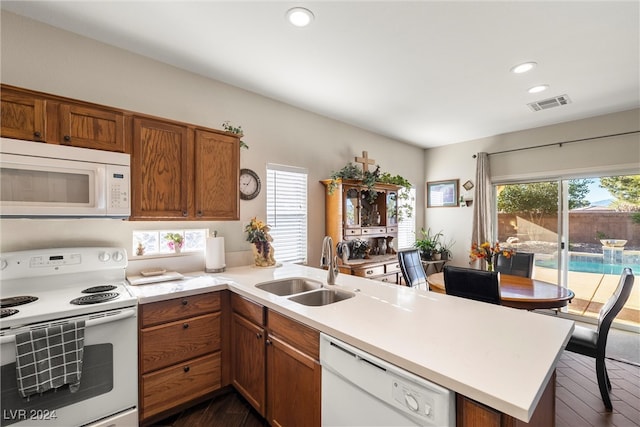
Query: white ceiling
x: 424, y: 72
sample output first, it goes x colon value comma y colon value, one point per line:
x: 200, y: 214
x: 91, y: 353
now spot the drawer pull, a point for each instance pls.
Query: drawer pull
x: 185, y: 326
x: 186, y: 369
x: 185, y: 302
x: 369, y: 271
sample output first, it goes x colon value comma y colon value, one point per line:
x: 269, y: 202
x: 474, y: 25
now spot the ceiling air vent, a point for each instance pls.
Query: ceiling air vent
x: 545, y: 104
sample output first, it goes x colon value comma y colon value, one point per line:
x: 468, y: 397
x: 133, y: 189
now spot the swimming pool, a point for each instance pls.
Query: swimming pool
x: 594, y: 266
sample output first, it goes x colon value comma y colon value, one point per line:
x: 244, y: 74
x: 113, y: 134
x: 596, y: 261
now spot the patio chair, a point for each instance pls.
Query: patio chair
x: 473, y: 284
x: 518, y: 264
x: 593, y: 343
x: 411, y: 268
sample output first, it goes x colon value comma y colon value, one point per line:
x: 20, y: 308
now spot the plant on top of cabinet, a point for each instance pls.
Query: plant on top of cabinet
x: 227, y: 126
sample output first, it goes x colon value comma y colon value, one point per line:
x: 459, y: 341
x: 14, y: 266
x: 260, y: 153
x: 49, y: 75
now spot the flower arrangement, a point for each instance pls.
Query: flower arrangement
x: 359, y: 248
x: 175, y: 241
x: 258, y: 234
x: 487, y: 252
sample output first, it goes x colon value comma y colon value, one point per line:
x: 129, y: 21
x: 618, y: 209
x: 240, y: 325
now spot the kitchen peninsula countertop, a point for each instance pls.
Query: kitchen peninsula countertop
x: 499, y: 356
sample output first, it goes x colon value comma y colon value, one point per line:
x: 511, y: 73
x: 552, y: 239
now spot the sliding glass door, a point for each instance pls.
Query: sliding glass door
x: 583, y: 233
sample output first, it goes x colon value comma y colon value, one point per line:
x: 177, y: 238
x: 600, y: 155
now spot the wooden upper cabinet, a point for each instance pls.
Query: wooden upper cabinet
x: 182, y: 173
x: 23, y: 116
x: 217, y: 160
x: 160, y: 173
x: 88, y: 127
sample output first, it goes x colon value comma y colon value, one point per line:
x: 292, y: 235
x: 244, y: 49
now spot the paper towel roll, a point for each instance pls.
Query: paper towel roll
x: 214, y: 255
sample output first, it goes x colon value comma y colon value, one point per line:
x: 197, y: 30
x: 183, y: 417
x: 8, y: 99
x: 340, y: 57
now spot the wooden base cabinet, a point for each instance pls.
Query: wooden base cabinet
x: 248, y: 351
x: 180, y: 353
x: 276, y: 364
x: 470, y: 413
x: 293, y: 373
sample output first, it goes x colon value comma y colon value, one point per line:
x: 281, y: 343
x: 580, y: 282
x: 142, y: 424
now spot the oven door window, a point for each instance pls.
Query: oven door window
x: 97, y: 379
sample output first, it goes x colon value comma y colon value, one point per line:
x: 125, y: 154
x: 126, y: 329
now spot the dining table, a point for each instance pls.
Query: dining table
x: 519, y: 292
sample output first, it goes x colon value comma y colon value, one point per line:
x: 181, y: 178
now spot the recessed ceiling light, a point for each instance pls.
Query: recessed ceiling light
x: 299, y: 16
x: 538, y: 88
x: 523, y: 68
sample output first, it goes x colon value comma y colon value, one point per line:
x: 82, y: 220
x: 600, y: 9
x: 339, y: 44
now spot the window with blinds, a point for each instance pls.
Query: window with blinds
x: 407, y: 225
x: 287, y: 211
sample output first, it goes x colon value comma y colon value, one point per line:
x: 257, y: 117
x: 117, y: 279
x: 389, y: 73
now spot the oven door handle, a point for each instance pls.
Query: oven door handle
x: 124, y: 314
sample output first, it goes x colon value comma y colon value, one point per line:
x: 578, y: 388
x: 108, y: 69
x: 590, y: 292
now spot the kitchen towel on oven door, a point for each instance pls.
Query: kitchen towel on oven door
x: 50, y: 358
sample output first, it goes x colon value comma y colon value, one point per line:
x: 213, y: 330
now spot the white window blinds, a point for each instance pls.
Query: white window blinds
x: 287, y: 211
x: 406, y: 224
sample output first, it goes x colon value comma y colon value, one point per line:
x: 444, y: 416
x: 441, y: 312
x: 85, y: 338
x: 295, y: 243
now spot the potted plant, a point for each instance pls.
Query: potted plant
x: 444, y: 248
x: 175, y: 241
x: 428, y: 244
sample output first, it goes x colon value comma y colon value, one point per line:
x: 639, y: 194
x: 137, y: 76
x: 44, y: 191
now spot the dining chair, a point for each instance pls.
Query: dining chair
x: 411, y: 268
x: 472, y: 284
x: 518, y: 264
x: 593, y: 342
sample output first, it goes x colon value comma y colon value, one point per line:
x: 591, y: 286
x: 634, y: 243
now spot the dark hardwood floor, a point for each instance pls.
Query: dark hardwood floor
x: 578, y: 402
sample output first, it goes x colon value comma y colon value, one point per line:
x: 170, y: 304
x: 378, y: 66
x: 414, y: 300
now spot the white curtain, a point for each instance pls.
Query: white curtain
x: 482, y: 218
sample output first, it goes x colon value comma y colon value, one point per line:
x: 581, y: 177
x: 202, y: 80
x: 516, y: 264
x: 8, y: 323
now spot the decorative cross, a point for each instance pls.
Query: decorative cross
x: 366, y: 161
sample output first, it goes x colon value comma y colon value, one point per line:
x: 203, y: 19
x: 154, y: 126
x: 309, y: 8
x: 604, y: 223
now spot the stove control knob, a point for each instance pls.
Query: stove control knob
x: 3, y: 263
x: 104, y: 256
x: 117, y: 256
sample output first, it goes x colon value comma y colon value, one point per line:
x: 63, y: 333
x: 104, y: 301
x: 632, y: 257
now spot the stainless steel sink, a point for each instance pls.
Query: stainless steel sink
x: 322, y: 297
x: 289, y: 286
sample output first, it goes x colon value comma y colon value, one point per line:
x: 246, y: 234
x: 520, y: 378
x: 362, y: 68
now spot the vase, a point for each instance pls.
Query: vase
x: 489, y: 267
x: 263, y: 254
x: 177, y: 249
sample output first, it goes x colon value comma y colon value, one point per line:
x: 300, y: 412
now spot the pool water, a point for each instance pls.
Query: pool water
x: 589, y: 266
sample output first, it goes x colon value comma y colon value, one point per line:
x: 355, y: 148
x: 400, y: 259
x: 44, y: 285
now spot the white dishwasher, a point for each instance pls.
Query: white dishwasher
x: 359, y: 389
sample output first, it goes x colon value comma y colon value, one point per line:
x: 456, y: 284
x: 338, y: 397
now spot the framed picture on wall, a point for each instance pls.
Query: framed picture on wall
x: 442, y: 194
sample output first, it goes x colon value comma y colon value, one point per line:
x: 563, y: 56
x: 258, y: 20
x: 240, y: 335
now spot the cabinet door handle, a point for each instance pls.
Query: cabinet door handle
x: 186, y: 369
x: 185, y: 326
x: 268, y: 342
x: 37, y: 134
x: 185, y: 213
x: 67, y: 138
x: 258, y: 335
x: 185, y: 302
x: 199, y: 213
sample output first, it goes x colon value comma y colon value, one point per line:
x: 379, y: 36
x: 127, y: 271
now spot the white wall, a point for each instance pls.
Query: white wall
x: 589, y: 158
x: 40, y: 57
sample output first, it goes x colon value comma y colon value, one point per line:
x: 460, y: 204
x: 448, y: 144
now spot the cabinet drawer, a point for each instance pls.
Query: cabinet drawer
x: 300, y: 336
x: 374, y: 230
x: 352, y: 232
x: 177, y: 341
x: 388, y: 278
x: 167, y: 388
x: 392, y: 268
x: 179, y: 308
x: 248, y: 309
x: 369, y: 271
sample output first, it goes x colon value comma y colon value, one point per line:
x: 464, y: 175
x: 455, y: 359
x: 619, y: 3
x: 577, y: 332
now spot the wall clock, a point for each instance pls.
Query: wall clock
x: 249, y: 184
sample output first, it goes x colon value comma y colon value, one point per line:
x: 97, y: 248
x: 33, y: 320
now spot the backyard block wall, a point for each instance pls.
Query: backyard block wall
x: 586, y: 227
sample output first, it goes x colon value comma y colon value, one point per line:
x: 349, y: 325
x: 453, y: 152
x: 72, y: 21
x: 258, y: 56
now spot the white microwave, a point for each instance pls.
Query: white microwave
x: 50, y: 180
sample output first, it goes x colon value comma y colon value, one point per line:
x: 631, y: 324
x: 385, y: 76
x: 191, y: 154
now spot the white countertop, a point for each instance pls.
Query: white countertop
x: 499, y: 356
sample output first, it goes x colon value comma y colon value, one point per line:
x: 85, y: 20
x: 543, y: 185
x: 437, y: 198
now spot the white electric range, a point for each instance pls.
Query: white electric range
x: 50, y: 287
